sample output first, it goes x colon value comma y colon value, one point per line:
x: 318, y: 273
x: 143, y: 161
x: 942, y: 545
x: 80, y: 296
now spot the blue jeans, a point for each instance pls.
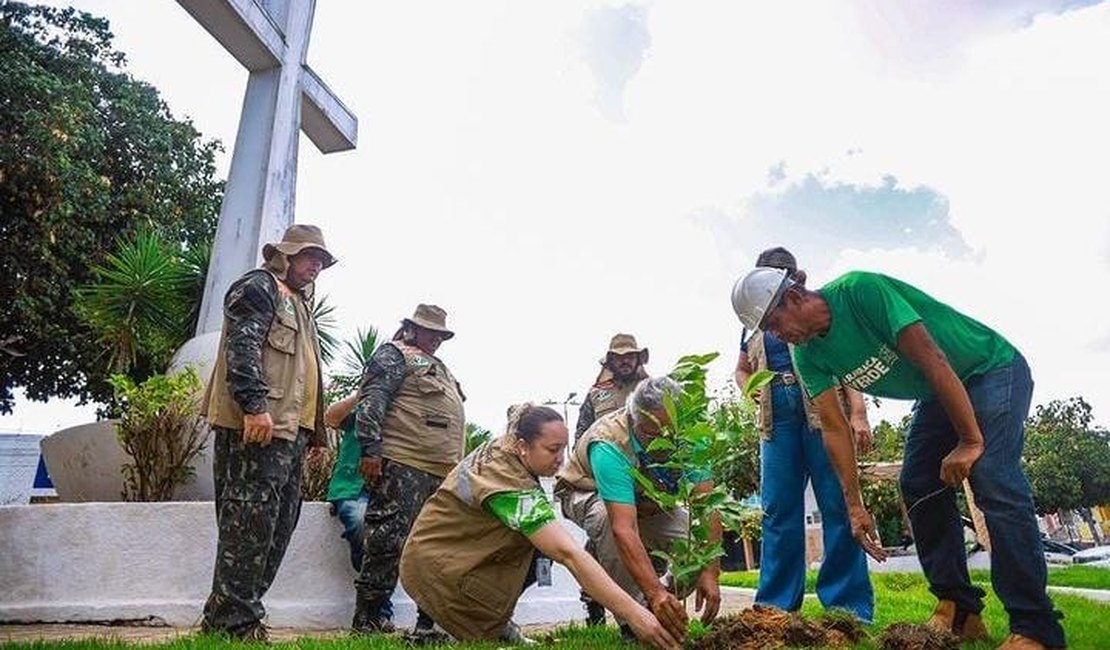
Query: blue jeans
x: 351, y: 513
x: 794, y: 454
x: 1001, y: 400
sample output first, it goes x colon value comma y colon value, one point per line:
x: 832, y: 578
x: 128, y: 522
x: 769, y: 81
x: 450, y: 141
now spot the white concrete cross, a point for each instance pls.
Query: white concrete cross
x: 284, y: 96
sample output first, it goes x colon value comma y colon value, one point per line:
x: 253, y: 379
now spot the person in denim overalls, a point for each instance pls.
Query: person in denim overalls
x: 792, y: 452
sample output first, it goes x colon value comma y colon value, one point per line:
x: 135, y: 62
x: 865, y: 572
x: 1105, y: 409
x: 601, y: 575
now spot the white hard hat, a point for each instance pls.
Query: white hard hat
x: 757, y: 293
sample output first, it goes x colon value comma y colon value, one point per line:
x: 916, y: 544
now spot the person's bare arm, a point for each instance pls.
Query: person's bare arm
x: 336, y: 413
x: 554, y: 542
x: 743, y: 370
x: 916, y: 344
x: 837, y: 435
x: 857, y: 417
x: 626, y: 534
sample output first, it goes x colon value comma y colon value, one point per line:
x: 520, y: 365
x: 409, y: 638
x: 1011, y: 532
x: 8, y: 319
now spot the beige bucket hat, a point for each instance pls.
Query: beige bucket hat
x: 624, y: 344
x: 298, y: 237
x: 430, y: 317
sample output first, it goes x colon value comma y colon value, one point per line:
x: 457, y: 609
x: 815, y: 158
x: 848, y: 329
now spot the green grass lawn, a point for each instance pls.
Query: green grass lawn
x: 1070, y: 576
x: 899, y: 597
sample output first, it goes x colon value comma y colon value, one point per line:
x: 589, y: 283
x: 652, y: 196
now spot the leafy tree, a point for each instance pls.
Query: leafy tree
x: 692, y: 439
x: 883, y: 497
x: 1067, y: 459
x: 88, y: 154
x: 738, y: 468
x: 476, y: 435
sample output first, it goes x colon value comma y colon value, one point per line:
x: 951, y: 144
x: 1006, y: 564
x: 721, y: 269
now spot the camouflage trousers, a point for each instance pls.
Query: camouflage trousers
x: 258, y: 502
x: 393, y: 508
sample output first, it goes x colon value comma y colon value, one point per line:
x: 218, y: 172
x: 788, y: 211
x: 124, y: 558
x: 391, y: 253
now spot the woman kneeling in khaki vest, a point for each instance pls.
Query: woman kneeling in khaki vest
x: 472, y: 548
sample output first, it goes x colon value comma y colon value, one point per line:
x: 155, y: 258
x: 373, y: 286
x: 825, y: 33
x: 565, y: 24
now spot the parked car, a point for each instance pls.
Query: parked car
x: 1058, y: 552
x: 1094, y: 554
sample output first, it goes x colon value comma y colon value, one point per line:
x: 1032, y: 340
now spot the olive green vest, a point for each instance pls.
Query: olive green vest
x: 285, y: 359
x: 461, y: 564
x: 424, y: 425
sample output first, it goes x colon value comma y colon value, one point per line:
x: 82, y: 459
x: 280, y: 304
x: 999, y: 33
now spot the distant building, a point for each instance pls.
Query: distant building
x: 22, y: 470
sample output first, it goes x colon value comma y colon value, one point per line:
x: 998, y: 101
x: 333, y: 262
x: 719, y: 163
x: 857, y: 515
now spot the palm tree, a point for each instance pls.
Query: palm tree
x: 476, y: 434
x: 138, y: 304
x: 326, y: 323
x: 356, y: 353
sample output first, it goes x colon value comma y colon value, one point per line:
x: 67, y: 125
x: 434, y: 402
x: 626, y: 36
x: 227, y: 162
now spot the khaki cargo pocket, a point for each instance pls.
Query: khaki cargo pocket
x: 282, y: 338
x: 485, y: 593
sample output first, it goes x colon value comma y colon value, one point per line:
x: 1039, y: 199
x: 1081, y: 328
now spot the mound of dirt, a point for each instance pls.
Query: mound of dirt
x: 767, y: 627
x: 905, y: 636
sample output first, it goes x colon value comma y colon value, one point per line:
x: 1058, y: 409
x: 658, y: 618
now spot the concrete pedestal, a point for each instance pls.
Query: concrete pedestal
x: 153, y: 562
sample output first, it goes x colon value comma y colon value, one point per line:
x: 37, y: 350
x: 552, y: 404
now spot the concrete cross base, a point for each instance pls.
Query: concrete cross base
x: 152, y: 562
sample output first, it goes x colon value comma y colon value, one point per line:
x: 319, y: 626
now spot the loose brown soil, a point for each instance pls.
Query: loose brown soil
x: 905, y: 636
x: 766, y: 627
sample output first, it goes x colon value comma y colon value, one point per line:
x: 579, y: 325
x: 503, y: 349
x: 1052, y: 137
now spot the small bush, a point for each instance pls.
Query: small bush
x: 161, y: 429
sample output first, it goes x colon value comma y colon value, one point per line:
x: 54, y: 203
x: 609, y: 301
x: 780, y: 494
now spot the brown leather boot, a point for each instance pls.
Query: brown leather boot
x: 1019, y: 642
x: 965, y: 625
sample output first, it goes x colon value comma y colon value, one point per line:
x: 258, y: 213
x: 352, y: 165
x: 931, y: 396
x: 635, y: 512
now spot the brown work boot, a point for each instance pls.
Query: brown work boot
x: 1019, y: 642
x: 965, y: 625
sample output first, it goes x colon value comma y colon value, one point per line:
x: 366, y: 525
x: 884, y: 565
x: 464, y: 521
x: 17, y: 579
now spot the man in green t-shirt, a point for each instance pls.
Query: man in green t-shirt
x: 972, y: 388
x: 347, y: 492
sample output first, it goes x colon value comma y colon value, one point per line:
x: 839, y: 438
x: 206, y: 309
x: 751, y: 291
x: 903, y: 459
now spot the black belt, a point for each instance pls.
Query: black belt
x: 784, y: 379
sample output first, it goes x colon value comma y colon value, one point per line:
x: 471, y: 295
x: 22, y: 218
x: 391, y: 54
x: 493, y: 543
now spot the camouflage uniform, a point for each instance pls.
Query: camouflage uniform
x: 258, y: 488
x: 406, y: 482
x: 258, y: 503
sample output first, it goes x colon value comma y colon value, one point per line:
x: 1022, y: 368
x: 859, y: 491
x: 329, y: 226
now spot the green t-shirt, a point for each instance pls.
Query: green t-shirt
x: 613, y: 471
x: 525, y: 511
x: 346, y: 482
x: 861, y: 347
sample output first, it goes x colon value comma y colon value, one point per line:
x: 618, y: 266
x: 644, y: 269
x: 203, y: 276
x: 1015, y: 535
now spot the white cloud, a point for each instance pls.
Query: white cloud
x: 488, y: 181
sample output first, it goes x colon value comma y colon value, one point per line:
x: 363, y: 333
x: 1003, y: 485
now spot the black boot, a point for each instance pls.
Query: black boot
x: 595, y: 613
x: 368, y: 618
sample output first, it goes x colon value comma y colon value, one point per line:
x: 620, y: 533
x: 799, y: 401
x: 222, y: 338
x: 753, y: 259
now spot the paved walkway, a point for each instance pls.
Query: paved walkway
x: 733, y: 599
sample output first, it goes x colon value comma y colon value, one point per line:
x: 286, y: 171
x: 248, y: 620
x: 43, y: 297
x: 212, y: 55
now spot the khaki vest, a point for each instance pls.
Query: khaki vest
x: 757, y: 357
x: 609, y: 396
x: 461, y: 564
x: 291, y: 338
x: 613, y: 428
x: 424, y: 426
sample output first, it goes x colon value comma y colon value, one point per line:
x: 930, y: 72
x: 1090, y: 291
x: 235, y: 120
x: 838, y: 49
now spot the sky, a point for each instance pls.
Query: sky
x: 553, y: 173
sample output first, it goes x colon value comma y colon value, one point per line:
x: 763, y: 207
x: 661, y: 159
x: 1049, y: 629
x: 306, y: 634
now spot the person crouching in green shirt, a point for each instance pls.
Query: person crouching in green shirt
x: 972, y: 388
x: 474, y: 546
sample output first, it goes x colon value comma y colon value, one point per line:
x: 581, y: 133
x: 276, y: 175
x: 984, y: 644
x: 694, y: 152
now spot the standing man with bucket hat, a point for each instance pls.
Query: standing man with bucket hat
x: 972, y: 389
x: 622, y: 368
x: 265, y: 402
x: 410, y: 425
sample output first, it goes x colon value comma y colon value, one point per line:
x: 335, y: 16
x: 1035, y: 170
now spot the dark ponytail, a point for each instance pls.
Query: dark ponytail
x: 526, y: 420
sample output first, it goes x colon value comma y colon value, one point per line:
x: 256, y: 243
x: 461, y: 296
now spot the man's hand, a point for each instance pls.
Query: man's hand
x: 861, y: 430
x: 670, y: 612
x: 708, y: 598
x: 257, y: 428
x: 371, y: 469
x: 863, y: 529
x: 649, y: 630
x: 956, y: 466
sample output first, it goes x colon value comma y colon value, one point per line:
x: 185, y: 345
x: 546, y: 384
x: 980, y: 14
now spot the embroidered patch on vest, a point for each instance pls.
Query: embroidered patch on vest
x: 418, y: 361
